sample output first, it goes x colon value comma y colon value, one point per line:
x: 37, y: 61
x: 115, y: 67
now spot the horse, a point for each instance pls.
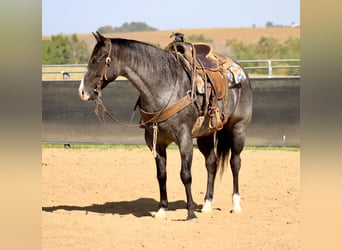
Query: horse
x: 162, y: 80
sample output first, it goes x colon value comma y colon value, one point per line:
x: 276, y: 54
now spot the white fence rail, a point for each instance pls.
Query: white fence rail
x: 256, y: 68
x: 269, y: 65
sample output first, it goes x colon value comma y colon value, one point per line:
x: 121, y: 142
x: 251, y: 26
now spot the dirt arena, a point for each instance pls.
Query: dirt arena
x: 105, y: 199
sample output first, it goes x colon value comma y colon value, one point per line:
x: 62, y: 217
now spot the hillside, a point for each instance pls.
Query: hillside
x: 218, y: 35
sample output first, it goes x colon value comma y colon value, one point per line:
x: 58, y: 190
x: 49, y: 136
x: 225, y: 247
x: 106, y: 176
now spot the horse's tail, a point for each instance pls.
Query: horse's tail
x: 222, y: 149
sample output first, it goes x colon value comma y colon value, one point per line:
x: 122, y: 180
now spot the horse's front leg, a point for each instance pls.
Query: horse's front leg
x: 186, y: 152
x: 161, y: 175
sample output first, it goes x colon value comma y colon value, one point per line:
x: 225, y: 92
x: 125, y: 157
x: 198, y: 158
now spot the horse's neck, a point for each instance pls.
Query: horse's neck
x: 156, y: 82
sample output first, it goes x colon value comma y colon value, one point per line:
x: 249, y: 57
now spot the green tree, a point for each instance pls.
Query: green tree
x: 135, y: 26
x: 266, y: 48
x: 292, y: 48
x: 61, y: 49
x: 56, y: 51
x: 78, y: 50
x: 269, y: 24
x: 126, y: 27
x: 105, y: 29
x: 292, y: 51
x: 239, y: 49
x: 198, y: 39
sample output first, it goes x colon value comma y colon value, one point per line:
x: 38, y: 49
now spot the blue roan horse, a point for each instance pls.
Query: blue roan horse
x: 171, y: 106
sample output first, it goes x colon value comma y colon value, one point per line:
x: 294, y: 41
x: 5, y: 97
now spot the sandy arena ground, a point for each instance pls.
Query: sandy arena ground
x: 105, y: 199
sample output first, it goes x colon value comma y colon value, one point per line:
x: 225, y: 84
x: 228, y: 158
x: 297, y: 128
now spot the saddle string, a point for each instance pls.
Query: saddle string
x: 154, y: 142
x: 193, y: 72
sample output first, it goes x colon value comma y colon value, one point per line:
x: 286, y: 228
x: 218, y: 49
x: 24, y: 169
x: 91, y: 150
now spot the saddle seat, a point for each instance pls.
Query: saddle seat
x: 206, y: 56
x: 214, y: 66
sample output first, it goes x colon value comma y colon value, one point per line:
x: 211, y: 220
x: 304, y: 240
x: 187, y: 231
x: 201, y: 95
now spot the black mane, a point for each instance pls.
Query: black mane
x: 145, y: 55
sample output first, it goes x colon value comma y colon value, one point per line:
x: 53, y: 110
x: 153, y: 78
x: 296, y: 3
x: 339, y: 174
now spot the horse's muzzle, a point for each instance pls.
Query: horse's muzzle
x: 85, y: 95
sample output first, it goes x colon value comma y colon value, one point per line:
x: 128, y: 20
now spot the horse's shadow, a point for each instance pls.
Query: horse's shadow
x: 139, y: 208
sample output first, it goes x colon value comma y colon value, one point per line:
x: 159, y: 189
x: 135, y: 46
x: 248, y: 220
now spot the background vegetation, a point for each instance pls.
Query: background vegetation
x: 267, y: 48
x: 126, y: 27
x: 66, y: 49
x: 61, y: 49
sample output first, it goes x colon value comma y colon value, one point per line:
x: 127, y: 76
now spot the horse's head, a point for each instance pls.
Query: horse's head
x: 99, y: 73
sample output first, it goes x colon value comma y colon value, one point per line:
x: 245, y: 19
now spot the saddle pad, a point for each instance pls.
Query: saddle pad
x: 234, y: 72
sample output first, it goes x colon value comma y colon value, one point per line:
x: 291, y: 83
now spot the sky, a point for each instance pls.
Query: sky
x: 86, y: 16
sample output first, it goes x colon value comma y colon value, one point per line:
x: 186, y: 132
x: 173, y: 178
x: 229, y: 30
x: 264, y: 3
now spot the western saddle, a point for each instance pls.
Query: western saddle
x: 208, y: 71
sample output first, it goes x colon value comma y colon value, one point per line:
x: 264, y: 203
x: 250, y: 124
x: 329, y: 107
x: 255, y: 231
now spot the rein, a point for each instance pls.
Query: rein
x: 101, y: 108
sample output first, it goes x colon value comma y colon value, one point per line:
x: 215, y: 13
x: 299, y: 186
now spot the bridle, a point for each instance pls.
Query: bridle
x: 104, y: 72
x: 153, y: 118
x: 98, y: 103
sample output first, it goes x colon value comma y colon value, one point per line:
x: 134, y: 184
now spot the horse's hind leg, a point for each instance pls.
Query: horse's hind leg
x: 238, y: 141
x: 161, y: 176
x: 206, y: 146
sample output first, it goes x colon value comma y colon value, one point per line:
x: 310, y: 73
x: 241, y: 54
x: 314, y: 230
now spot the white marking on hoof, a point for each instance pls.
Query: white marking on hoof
x: 236, y: 204
x: 207, y: 206
x: 161, y: 214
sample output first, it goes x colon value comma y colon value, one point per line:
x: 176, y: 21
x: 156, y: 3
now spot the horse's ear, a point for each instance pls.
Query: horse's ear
x: 99, y: 38
x: 96, y: 37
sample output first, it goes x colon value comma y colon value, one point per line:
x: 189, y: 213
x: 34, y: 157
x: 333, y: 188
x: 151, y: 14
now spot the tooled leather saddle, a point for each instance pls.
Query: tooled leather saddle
x: 209, y: 74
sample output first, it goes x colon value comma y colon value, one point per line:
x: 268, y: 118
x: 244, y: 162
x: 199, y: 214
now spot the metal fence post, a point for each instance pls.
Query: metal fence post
x: 269, y: 68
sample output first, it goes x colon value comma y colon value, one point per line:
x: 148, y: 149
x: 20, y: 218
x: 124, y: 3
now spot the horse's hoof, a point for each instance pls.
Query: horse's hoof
x: 161, y: 214
x: 207, y: 207
x: 192, y: 217
x: 237, y: 210
x: 236, y: 204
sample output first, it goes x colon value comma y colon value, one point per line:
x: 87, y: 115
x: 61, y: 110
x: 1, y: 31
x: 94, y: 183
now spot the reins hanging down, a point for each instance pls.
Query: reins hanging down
x: 101, y: 108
